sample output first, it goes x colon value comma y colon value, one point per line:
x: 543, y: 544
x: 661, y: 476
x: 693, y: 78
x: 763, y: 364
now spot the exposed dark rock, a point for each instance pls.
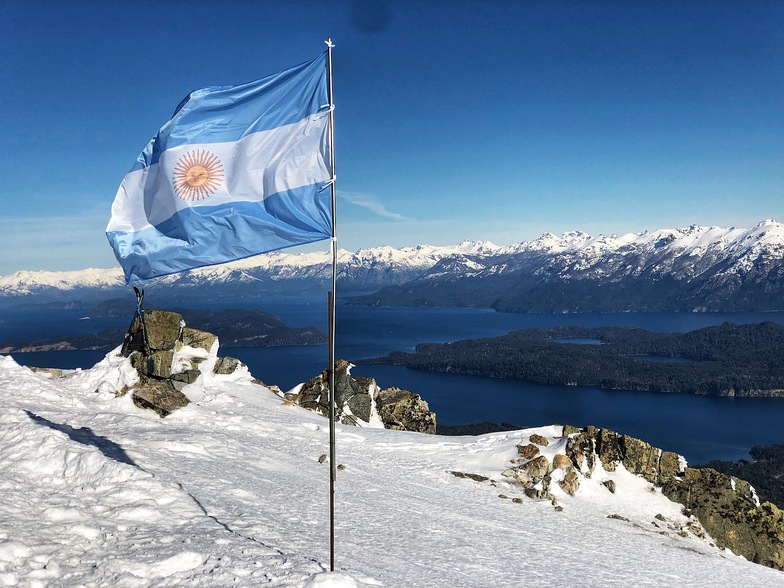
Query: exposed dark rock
x: 160, y: 396
x: 405, y: 411
x: 728, y: 511
x: 184, y: 378
x: 475, y: 477
x: 226, y: 365
x: 356, y: 398
x: 725, y: 505
x: 161, y: 364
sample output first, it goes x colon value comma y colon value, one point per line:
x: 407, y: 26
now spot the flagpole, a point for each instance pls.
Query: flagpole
x: 332, y: 316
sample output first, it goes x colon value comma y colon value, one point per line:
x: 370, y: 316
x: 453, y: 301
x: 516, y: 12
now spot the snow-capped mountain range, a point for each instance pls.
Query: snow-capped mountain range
x: 692, y: 268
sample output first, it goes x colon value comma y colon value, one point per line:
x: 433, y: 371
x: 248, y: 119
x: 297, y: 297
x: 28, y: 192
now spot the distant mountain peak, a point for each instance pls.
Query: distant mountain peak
x: 706, y: 267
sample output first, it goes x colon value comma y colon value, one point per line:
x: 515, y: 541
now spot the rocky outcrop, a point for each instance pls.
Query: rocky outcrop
x: 404, y: 411
x: 728, y: 509
x: 360, y: 401
x: 611, y: 448
x: 175, y: 359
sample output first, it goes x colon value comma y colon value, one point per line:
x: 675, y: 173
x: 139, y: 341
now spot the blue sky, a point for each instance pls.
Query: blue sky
x: 476, y: 119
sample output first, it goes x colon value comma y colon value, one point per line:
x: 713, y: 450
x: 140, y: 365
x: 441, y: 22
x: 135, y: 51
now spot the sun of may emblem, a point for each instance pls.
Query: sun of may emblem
x: 197, y: 174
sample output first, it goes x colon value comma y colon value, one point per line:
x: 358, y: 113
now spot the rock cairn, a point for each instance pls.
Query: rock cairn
x: 176, y: 359
x: 360, y: 401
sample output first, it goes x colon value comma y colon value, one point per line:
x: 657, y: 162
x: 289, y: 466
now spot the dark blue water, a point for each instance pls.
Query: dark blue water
x: 700, y: 428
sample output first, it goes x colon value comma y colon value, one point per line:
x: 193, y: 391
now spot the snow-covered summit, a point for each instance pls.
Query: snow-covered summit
x: 230, y: 490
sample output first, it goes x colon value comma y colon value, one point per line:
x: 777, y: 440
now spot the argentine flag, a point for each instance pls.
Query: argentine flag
x: 237, y: 171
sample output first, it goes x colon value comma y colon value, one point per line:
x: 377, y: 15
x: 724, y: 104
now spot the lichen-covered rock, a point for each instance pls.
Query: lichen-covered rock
x: 160, y: 364
x: 611, y: 448
x: 670, y: 465
x: 160, y: 396
x: 532, y: 471
x: 570, y: 483
x: 226, y: 365
x: 560, y: 461
x: 404, y: 410
x: 528, y: 451
x: 163, y: 328
x: 581, y: 451
x: 607, y: 449
x: 539, y: 440
x: 314, y: 394
x: 639, y: 457
x: 184, y: 378
x: 728, y: 511
x: 198, y: 339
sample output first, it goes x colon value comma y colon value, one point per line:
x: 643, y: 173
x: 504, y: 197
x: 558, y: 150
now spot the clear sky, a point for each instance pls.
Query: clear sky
x: 455, y: 119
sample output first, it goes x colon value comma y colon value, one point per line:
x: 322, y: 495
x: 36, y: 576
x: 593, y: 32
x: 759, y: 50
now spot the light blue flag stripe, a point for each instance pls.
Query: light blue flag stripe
x: 197, y: 237
x: 236, y: 172
x: 227, y: 113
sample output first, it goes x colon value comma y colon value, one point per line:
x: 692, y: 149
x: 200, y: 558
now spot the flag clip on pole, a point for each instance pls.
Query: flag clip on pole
x: 332, y: 313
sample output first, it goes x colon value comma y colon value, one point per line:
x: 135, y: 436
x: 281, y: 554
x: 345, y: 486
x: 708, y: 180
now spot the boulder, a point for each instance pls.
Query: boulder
x: 226, y: 365
x: 198, y: 339
x: 405, y: 411
x: 528, y: 451
x: 539, y: 440
x: 160, y: 396
x: 532, y: 471
x: 570, y: 483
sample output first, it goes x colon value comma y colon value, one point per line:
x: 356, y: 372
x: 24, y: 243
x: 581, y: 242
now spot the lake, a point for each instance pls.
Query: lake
x: 700, y: 428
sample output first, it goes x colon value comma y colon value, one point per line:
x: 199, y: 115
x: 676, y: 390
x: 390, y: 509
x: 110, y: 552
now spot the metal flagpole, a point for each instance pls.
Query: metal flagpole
x: 332, y: 294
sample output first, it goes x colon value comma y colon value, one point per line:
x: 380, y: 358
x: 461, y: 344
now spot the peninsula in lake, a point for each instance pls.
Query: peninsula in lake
x: 725, y: 360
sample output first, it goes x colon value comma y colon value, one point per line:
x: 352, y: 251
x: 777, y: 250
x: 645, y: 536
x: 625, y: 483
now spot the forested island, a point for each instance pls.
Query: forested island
x: 725, y: 360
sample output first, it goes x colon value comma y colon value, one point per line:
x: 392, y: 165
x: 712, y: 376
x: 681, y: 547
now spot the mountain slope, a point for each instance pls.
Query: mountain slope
x: 365, y: 270
x: 229, y: 490
x: 689, y: 269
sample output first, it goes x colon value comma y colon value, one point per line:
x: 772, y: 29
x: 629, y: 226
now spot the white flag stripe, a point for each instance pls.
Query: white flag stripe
x: 271, y: 161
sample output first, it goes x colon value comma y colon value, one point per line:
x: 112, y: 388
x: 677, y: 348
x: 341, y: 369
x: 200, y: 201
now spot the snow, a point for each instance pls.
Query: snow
x: 684, y: 253
x: 229, y: 491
